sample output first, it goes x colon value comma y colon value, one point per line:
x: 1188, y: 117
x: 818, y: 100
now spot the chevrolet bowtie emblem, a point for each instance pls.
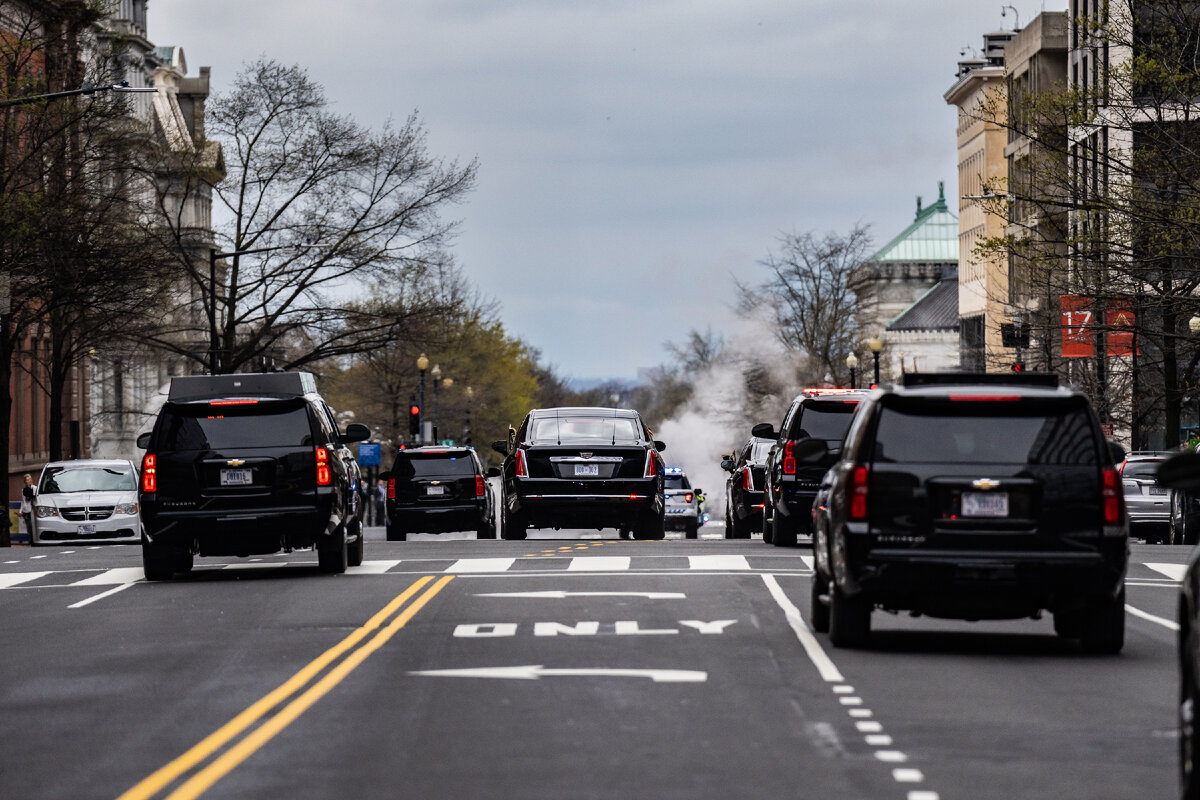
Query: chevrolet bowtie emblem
x: 235, y: 462
x: 585, y: 455
x: 985, y: 483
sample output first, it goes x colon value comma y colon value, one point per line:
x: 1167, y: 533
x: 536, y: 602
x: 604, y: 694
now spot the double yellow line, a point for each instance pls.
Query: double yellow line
x: 359, y: 644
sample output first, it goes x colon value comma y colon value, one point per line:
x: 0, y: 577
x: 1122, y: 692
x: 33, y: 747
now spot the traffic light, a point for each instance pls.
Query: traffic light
x: 1018, y: 366
x: 414, y: 419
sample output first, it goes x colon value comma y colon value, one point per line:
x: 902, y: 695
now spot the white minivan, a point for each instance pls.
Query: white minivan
x: 93, y: 500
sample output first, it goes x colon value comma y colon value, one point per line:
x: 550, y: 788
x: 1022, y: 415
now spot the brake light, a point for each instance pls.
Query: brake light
x: 1121, y: 469
x: 149, y: 473
x: 988, y: 398
x: 857, y: 490
x: 480, y: 489
x: 747, y: 481
x: 391, y: 489
x: 651, y: 465
x: 1113, y: 497
x: 233, y: 402
x: 324, y: 476
x: 687, y: 498
x: 789, y: 461
x: 521, y: 471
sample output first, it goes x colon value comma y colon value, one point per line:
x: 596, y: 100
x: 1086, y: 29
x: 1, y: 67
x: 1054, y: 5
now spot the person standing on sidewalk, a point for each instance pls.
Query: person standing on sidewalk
x: 28, y: 493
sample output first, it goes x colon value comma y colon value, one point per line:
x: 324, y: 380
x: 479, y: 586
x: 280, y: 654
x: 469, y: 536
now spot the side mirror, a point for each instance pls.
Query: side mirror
x: 659, y: 446
x: 764, y: 430
x: 143, y: 440
x: 1180, y: 471
x: 500, y: 446
x: 356, y: 432
x: 699, y: 492
x: 1116, y: 453
x: 492, y: 472
x: 727, y: 464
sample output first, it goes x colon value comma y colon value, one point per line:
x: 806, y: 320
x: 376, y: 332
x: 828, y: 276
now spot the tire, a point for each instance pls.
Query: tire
x: 768, y: 528
x: 183, y: 559
x: 354, y: 555
x: 784, y: 533
x: 820, y: 609
x: 158, y: 561
x: 512, y: 528
x: 333, y: 553
x: 651, y: 529
x: 1068, y: 624
x: 1174, y: 533
x: 395, y: 533
x: 624, y: 533
x: 486, y: 530
x: 1189, y: 777
x: 1103, y: 626
x: 692, y: 531
x: 849, y: 619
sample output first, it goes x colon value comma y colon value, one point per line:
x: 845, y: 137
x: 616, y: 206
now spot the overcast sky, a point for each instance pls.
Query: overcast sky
x: 634, y: 154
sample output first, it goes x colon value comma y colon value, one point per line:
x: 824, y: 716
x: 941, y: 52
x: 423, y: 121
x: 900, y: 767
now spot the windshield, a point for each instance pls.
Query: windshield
x: 61, y: 480
x: 676, y: 482
x: 433, y: 466
x: 589, y: 430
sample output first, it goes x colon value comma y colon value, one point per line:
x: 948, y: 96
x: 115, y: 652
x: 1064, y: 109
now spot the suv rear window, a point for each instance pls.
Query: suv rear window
x: 676, y: 482
x: 1141, y: 469
x: 823, y: 420
x: 201, y: 426
x: 965, y: 432
x: 439, y: 465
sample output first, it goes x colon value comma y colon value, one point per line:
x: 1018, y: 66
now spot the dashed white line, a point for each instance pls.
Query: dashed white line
x: 871, y: 726
x: 1166, y: 623
x: 850, y: 701
x: 100, y: 596
x: 891, y: 756
x: 879, y: 740
x: 907, y: 775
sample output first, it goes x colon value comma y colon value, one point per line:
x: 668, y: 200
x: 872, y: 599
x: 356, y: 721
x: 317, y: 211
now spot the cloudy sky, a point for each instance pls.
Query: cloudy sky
x: 634, y: 154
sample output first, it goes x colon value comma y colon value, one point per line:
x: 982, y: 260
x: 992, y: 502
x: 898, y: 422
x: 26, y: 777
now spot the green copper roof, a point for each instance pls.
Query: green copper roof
x: 931, y: 238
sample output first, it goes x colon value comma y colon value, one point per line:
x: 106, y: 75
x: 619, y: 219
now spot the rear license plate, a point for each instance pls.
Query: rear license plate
x: 82, y: 529
x: 587, y: 470
x: 435, y: 490
x: 236, y: 477
x: 985, y: 504
x: 1157, y: 490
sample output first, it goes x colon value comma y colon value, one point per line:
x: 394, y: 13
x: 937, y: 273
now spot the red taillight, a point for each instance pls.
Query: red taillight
x: 233, y: 403
x: 857, y: 490
x: 987, y: 398
x: 391, y: 488
x: 1114, y: 498
x: 521, y: 471
x: 746, y: 480
x: 480, y: 489
x: 149, y: 473
x: 687, y: 498
x: 651, y: 465
x: 789, y: 461
x: 324, y: 476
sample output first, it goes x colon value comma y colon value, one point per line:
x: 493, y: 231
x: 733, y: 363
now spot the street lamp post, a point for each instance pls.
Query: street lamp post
x: 422, y: 365
x: 436, y: 374
x: 1194, y: 327
x: 852, y: 363
x: 117, y: 88
x: 876, y: 345
x: 467, y: 426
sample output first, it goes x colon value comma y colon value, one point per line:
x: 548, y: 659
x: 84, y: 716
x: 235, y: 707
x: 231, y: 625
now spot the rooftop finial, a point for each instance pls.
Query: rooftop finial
x: 941, y: 191
x: 918, y: 205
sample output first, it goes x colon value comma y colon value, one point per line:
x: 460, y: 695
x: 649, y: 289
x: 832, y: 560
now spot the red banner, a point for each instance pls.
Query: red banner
x: 1079, y: 327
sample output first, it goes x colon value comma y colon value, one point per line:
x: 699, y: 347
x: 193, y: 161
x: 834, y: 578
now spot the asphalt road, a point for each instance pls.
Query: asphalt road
x: 561, y: 667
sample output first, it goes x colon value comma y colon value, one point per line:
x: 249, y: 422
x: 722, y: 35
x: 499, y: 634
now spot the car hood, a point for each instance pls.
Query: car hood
x: 86, y: 498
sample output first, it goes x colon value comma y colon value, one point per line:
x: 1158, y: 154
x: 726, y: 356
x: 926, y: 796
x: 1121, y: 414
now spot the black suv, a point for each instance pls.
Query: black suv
x: 582, y: 468
x: 248, y: 464
x: 745, y: 488
x: 791, y: 483
x: 439, y: 489
x: 972, y: 496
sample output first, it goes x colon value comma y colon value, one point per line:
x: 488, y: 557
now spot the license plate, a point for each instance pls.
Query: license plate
x: 1157, y: 490
x: 86, y: 529
x: 236, y: 477
x: 587, y: 470
x: 985, y: 504
x: 435, y: 490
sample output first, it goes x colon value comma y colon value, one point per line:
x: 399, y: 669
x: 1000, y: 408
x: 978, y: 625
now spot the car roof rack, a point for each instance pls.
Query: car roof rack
x: 1046, y: 379
x: 187, y: 388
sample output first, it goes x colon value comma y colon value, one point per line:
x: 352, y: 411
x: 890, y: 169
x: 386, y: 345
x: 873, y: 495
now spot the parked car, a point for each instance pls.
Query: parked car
x: 582, y: 468
x: 88, y: 499
x: 249, y: 464
x: 682, y: 502
x: 745, y: 488
x: 972, y: 497
x: 791, y: 483
x: 1148, y: 503
x: 439, y: 489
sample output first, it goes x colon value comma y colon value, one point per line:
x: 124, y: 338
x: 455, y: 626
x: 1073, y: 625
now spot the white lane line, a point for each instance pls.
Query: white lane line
x: 869, y: 726
x: 100, y: 596
x: 112, y: 577
x: 1173, y: 571
x: 861, y: 713
x: 825, y: 666
x: 878, y: 740
x: 850, y: 701
x: 599, y: 563
x: 1166, y: 623
x: 718, y: 562
x: 17, y: 578
x: 481, y: 565
x: 907, y: 775
x: 891, y: 756
x: 372, y: 567
x: 921, y: 794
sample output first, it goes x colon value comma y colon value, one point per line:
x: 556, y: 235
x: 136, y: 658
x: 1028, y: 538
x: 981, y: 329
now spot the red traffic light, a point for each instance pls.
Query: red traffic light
x: 1018, y: 366
x: 415, y: 410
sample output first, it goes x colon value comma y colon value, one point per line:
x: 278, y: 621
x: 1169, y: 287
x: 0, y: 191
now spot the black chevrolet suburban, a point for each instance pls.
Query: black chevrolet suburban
x: 972, y: 496
x: 248, y: 464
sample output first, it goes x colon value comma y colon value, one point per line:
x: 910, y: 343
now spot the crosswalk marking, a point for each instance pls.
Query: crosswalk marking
x: 372, y: 567
x: 113, y: 577
x: 17, y: 578
x: 599, y: 564
x: 1173, y: 571
x: 481, y: 565
x: 718, y: 562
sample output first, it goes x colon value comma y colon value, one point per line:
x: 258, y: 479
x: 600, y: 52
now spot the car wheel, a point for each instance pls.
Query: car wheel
x: 849, y: 618
x: 512, y: 528
x: 394, y: 532
x: 1174, y: 533
x: 183, y: 559
x: 730, y: 533
x: 820, y: 604
x: 354, y: 556
x: 652, y: 528
x: 487, y: 529
x: 1191, y: 528
x: 1068, y: 624
x: 333, y: 553
x: 784, y: 534
x: 691, y: 531
x: 768, y: 528
x: 1189, y: 780
x: 158, y: 561
x: 1103, y: 625
x: 623, y: 533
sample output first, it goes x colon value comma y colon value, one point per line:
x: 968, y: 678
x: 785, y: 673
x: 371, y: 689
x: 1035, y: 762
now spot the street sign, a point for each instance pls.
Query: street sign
x: 370, y: 454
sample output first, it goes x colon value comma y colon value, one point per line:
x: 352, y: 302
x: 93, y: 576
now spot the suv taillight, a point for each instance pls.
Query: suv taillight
x: 149, y: 473
x: 1113, y: 497
x: 856, y: 491
x: 324, y: 476
x: 391, y: 489
x: 689, y: 497
x: 480, y: 489
x: 747, y: 481
x: 651, y: 465
x: 789, y: 460
x: 520, y: 459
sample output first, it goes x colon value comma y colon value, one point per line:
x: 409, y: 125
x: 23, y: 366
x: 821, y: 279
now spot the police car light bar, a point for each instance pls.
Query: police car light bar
x: 673, y: 471
x: 825, y: 390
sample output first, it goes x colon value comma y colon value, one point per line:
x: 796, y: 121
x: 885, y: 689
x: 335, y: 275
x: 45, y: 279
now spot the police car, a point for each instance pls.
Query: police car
x: 683, y: 502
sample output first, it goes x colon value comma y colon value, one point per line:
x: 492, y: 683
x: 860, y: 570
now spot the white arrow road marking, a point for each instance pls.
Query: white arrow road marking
x: 17, y: 578
x: 533, y: 672
x: 716, y: 626
x: 560, y: 595
x: 1173, y: 571
x: 481, y: 565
